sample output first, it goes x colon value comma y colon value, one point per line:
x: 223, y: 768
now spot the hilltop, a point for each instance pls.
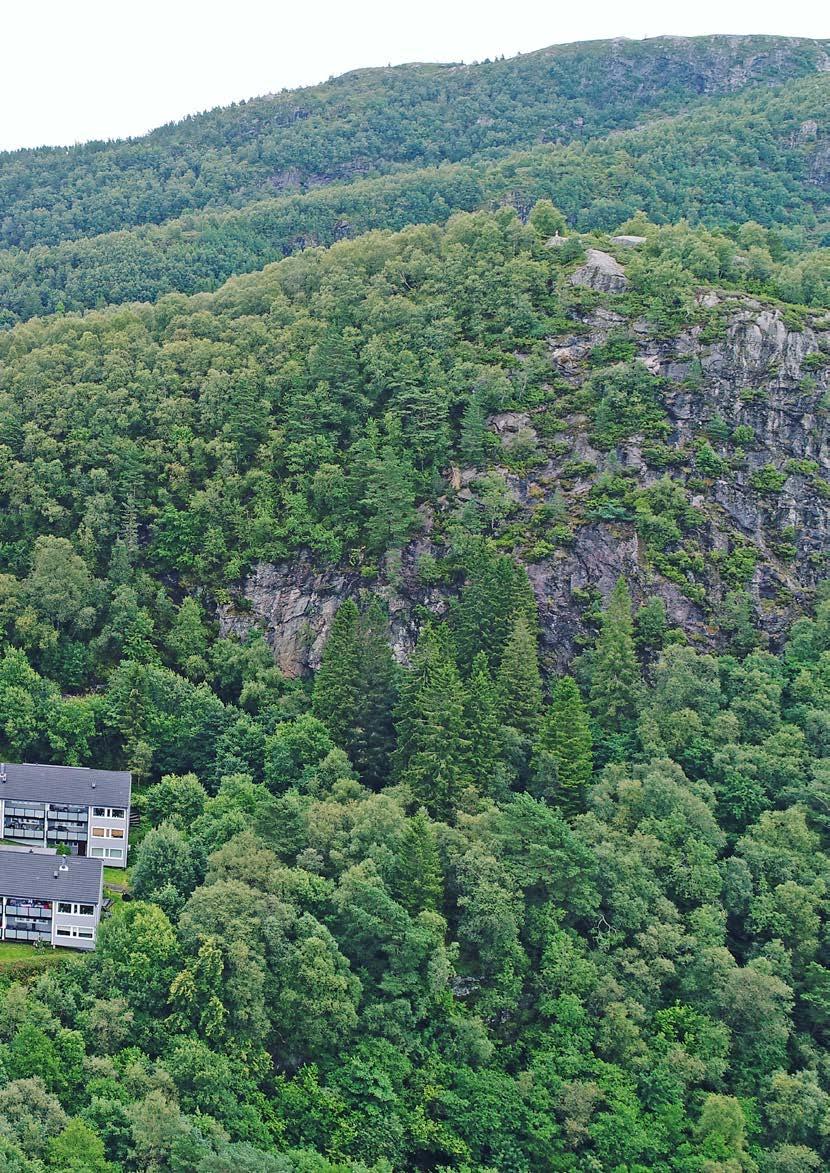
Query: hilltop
x: 376, y: 121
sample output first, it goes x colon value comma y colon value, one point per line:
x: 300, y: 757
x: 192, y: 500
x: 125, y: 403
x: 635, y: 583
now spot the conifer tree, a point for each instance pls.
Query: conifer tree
x: 565, y: 735
x: 495, y: 593
x: 431, y: 753
x: 418, y: 882
x: 389, y: 497
x: 482, y: 723
x: 335, y: 695
x: 519, y: 682
x: 473, y: 432
x: 615, y: 674
x: 373, y: 738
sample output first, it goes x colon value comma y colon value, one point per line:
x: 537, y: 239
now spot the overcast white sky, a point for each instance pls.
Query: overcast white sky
x: 82, y: 69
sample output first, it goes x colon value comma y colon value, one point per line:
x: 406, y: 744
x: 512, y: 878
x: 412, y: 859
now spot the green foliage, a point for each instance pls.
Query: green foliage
x: 566, y: 737
x: 413, y: 916
x: 767, y: 479
x: 616, y: 687
x: 431, y: 754
x: 627, y: 403
x: 519, y: 683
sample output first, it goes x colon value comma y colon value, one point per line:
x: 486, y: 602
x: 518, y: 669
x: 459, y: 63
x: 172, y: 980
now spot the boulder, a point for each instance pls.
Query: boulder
x: 601, y: 272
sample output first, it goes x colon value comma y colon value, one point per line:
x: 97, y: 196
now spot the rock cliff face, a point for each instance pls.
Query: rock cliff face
x: 294, y: 603
x: 757, y: 388
x: 601, y: 272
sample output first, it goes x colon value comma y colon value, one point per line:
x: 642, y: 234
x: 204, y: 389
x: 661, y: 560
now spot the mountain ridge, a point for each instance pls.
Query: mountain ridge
x: 228, y: 156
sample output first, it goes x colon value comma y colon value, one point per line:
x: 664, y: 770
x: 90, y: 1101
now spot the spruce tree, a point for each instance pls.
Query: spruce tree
x: 473, y: 432
x: 431, y: 753
x: 495, y: 593
x: 336, y: 685
x: 373, y: 738
x: 565, y: 735
x: 519, y: 682
x: 389, y: 499
x: 418, y: 882
x: 616, y: 686
x: 483, y: 728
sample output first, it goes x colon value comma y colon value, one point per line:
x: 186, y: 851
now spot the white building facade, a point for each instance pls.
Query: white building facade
x: 87, y: 811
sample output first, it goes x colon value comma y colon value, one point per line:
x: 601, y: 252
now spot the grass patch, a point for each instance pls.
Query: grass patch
x: 19, y: 961
x: 117, y: 877
x: 16, y: 951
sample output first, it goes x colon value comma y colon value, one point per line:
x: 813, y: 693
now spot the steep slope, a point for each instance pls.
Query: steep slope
x: 761, y: 155
x: 552, y: 892
x: 374, y: 121
x: 726, y: 493
x: 636, y: 423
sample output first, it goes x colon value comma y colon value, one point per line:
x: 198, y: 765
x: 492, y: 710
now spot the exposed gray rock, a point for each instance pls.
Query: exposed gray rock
x: 752, y: 375
x: 293, y: 604
x: 629, y: 241
x: 601, y: 272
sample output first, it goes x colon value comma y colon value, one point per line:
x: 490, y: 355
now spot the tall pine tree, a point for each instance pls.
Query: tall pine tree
x: 519, y: 682
x: 417, y: 879
x: 432, y: 751
x: 616, y: 686
x: 495, y: 593
x: 483, y: 727
x: 337, y: 683
x: 565, y: 735
x: 373, y: 738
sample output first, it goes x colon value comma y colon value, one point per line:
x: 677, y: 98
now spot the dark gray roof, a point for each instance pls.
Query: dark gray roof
x: 27, y: 873
x: 72, y: 784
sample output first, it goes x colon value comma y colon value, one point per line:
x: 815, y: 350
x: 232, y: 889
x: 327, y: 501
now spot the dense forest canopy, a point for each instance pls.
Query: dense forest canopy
x: 759, y: 155
x: 533, y: 871
x: 374, y: 120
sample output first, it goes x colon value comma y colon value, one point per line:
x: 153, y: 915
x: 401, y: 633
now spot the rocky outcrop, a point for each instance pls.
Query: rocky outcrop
x: 756, y: 374
x: 600, y: 272
x: 294, y: 602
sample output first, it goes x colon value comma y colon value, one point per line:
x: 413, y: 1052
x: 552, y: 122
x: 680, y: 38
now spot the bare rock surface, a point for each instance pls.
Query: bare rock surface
x: 600, y: 272
x: 751, y: 374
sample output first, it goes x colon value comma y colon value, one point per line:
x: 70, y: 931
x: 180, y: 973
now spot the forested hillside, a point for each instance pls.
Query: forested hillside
x: 375, y: 120
x: 458, y: 595
x: 761, y: 156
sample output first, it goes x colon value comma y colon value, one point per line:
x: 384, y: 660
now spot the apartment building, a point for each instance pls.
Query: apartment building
x: 87, y: 811
x: 50, y: 899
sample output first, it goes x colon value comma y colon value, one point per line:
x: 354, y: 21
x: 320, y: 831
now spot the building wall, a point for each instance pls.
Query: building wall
x: 107, y: 836
x: 74, y: 922
x: 66, y: 926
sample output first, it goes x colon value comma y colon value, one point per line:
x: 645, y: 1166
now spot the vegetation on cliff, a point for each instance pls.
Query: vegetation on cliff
x: 547, y: 888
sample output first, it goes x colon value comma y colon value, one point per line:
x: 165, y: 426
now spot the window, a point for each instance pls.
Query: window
x: 115, y: 853
x: 86, y: 909
x: 98, y: 832
x: 99, y: 851
x: 116, y: 813
x: 116, y: 833
x: 63, y: 907
x: 84, y: 934
x: 100, y: 811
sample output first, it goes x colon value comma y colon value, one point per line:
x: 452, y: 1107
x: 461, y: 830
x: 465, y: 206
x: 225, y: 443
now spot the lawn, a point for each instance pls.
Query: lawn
x: 16, y: 951
x: 117, y: 877
x: 20, y: 961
